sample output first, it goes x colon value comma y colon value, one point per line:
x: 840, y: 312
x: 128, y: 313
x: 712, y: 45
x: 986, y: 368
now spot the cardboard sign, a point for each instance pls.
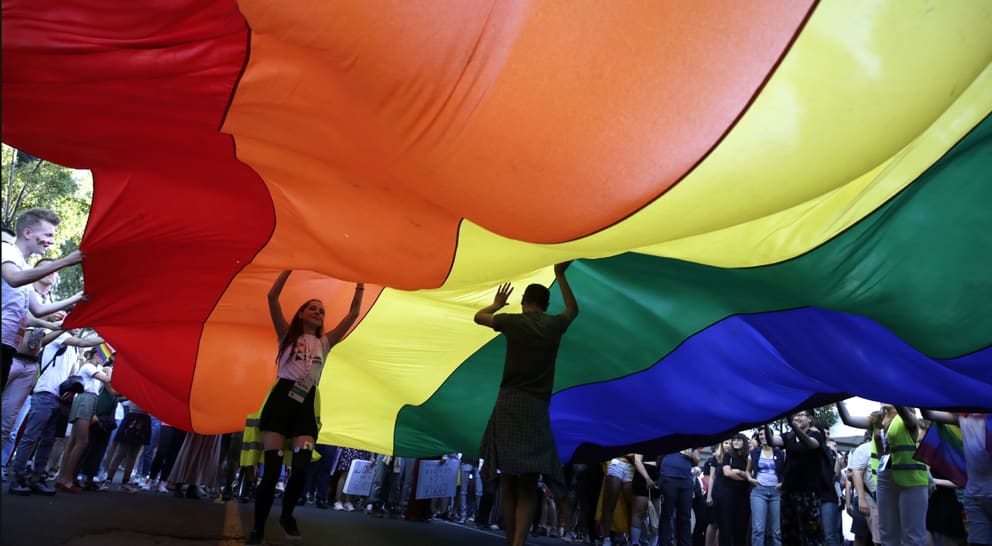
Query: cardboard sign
x: 437, y: 480
x: 359, y: 480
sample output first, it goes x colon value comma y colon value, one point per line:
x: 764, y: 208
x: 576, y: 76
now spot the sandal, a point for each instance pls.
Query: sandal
x: 68, y: 488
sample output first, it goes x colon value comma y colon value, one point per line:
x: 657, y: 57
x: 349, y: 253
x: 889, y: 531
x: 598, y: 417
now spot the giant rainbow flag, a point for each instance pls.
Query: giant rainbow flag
x: 772, y: 204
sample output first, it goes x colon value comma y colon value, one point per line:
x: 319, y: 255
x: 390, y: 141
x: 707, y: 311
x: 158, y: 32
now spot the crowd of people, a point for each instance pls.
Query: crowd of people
x: 64, y: 423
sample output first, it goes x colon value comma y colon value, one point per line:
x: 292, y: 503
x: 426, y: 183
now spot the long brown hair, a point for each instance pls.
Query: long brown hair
x: 743, y: 451
x: 296, y: 329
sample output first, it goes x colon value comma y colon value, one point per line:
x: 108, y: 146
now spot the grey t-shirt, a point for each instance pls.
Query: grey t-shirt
x: 532, y: 341
x: 860, y: 461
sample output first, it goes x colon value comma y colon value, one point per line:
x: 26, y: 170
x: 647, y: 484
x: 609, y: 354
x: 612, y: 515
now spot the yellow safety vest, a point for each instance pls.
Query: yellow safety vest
x: 906, y: 471
x: 252, y: 452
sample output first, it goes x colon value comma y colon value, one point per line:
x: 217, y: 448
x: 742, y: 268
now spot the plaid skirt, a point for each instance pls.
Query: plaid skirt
x: 518, y: 439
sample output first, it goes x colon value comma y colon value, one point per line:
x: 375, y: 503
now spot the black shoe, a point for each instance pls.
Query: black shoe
x: 322, y: 504
x: 288, y: 525
x: 19, y: 487
x: 255, y: 537
x: 40, y: 488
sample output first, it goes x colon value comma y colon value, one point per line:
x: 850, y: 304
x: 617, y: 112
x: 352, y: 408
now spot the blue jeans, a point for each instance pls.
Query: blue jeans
x: 319, y: 473
x: 677, y: 493
x: 470, y: 479
x: 148, y: 453
x: 766, y: 506
x: 38, y: 431
x: 830, y: 512
x: 382, y: 479
x: 405, y: 477
x: 979, y: 513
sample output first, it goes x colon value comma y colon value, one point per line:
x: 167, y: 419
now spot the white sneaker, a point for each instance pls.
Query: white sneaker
x: 349, y: 507
x: 607, y: 542
x: 163, y: 486
x: 338, y: 505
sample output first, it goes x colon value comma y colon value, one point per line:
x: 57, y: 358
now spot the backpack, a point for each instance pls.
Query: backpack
x: 68, y: 390
x: 69, y: 387
x: 58, y: 353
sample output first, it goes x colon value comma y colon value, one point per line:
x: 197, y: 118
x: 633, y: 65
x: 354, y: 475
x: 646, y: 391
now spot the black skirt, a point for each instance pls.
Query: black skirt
x: 518, y: 439
x: 286, y: 416
x: 944, y: 513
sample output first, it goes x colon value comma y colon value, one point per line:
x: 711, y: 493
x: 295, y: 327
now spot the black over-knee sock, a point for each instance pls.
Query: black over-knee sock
x: 266, y: 490
x: 301, y: 461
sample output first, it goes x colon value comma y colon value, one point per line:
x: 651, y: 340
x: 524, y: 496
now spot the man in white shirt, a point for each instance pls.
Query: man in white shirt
x: 35, y: 234
x: 63, y: 346
x: 39, y: 428
x: 859, y: 462
x: 976, y: 437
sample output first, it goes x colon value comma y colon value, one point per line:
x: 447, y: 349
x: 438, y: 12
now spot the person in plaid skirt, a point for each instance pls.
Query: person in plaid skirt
x: 518, y: 441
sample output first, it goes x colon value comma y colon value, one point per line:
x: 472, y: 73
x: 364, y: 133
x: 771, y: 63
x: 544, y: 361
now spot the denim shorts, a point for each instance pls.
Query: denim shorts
x: 620, y: 468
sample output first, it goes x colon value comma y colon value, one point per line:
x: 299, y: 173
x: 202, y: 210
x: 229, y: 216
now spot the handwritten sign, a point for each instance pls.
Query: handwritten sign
x: 359, y: 480
x: 437, y: 480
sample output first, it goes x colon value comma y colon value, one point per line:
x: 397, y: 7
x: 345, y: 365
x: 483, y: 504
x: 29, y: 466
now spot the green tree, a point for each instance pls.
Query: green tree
x: 28, y: 182
x: 827, y: 415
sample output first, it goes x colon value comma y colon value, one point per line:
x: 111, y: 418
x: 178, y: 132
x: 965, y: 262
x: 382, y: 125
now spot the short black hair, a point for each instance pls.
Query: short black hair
x: 537, y: 294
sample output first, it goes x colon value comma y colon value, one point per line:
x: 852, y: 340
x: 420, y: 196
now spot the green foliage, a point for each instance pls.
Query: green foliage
x: 29, y: 182
x: 827, y: 415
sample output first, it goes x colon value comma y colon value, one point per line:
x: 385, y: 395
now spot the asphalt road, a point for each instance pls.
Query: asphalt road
x: 145, y: 519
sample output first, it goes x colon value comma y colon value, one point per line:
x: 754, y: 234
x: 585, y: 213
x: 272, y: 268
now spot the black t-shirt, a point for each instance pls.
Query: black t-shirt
x: 531, y: 348
x: 711, y: 463
x: 829, y: 494
x: 803, y: 465
x: 736, y: 463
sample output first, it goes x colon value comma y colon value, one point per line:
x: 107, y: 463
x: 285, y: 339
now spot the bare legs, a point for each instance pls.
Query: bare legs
x: 612, y: 490
x: 78, y: 440
x: 519, y: 503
